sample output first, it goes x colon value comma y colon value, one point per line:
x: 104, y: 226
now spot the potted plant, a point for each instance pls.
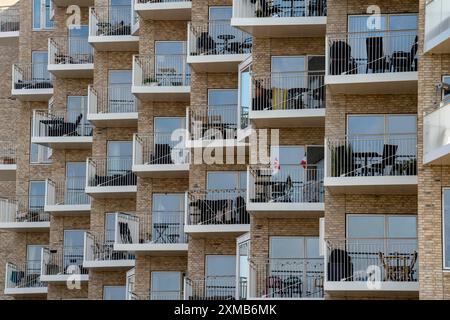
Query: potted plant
x: 150, y: 81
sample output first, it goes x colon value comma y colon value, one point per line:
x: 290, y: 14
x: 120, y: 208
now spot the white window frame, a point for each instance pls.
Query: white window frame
x: 42, y: 16
x: 388, y: 20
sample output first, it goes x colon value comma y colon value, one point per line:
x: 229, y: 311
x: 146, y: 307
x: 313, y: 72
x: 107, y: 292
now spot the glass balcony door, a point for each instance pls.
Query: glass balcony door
x: 167, y: 215
x: 120, y: 155
x: 120, y: 98
x: 165, y: 285
x: 73, y: 249
x: 220, y: 277
x: 75, y: 183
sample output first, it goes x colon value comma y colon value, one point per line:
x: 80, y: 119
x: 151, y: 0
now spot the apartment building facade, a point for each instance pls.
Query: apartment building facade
x: 128, y: 163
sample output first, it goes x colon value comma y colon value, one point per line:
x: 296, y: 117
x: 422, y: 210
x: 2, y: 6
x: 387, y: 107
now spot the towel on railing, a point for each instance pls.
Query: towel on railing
x: 279, y: 99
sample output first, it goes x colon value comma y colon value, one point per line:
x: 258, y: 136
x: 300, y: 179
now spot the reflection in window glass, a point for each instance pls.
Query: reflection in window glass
x: 114, y: 293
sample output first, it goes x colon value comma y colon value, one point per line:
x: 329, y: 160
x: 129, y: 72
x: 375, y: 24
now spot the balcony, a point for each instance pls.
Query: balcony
x: 379, y: 62
x: 66, y: 3
x: 289, y: 191
x: 67, y: 197
x: 100, y: 254
x: 281, y: 18
x: 210, y: 288
x: 436, y: 140
x: 62, y: 265
x: 372, y: 164
x: 372, y: 266
x: 110, y: 178
x: 31, y: 82
x: 213, y: 127
x: 70, y: 57
x: 9, y: 25
x: 24, y: 214
x: 437, y: 26
x: 110, y: 28
x: 287, y: 279
x: 290, y: 99
x: 212, y: 212
x: 61, y: 130
x: 160, y: 156
x: 163, y: 9
x: 163, y: 234
x: 113, y: 106
x: 216, y: 46
x: 24, y: 279
x: 161, y: 78
x: 8, y: 161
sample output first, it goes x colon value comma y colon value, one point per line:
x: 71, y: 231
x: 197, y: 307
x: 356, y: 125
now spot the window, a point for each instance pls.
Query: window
x: 446, y: 226
x: 76, y: 107
x: 245, y: 96
x: 167, y: 218
x: 110, y: 228
x: 381, y: 125
x: 388, y: 233
x: 222, y: 104
x: 446, y: 93
x: 171, y: 67
x: 34, y: 259
x: 119, y: 157
x: 366, y: 23
x: 41, y: 14
x: 75, y: 183
x: 79, y: 47
x: 39, y: 70
x: 220, y: 276
x: 220, y: 13
x: 169, y: 124
x: 73, y: 247
x: 294, y: 248
x: 114, y: 293
x: 40, y: 154
x: 228, y: 180
x: 166, y: 285
x: 36, y: 196
x: 120, y: 98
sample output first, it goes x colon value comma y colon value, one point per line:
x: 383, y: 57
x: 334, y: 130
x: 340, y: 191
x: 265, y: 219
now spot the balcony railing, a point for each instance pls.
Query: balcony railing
x: 288, y: 184
x: 24, y: 275
x: 288, y: 278
x: 161, y: 148
x: 372, y: 155
x: 110, y: 172
x: 217, y: 207
x: 64, y: 261
x: 70, y: 50
x: 67, y: 192
x: 9, y: 19
x: 211, y: 288
x: 217, y: 38
x: 99, y: 249
x: 437, y: 18
x: 164, y: 227
x: 112, y: 99
x: 110, y: 20
x: 159, y: 295
x: 437, y: 128
x: 289, y: 91
x: 279, y: 8
x: 213, y: 122
x: 372, y: 52
x: 23, y: 209
x: 8, y: 153
x: 60, y: 124
x: 161, y: 70
x: 378, y: 260
x: 31, y: 76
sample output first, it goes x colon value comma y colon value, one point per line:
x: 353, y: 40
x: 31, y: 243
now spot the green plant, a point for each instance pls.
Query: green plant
x: 150, y: 80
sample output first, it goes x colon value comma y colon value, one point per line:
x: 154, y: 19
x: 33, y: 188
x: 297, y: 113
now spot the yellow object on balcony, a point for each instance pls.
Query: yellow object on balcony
x: 279, y: 99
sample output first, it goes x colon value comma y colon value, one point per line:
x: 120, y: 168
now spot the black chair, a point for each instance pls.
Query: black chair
x: 388, y: 158
x: 317, y: 8
x: 125, y: 233
x: 206, y: 44
x: 266, y: 9
x: 262, y: 98
x: 341, y: 60
x: 414, y: 48
x: 343, y: 162
x: 376, y: 60
x: 340, y: 266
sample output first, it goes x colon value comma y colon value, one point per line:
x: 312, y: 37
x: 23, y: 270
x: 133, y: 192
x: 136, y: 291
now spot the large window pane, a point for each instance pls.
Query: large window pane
x: 166, y: 285
x: 226, y: 180
x: 75, y: 183
x: 119, y: 157
x: 363, y: 226
x: 220, y: 13
x: 34, y: 259
x: 401, y: 124
x: 36, y: 196
x: 114, y: 293
x: 365, y: 125
x: 110, y: 227
x: 287, y: 248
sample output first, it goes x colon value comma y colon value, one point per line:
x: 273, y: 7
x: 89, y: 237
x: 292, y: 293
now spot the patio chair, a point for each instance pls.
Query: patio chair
x: 125, y: 233
x: 376, y: 60
x: 206, y: 44
x: 274, y: 286
x: 388, y: 158
x: 340, y: 266
x: 161, y: 154
x: 317, y: 8
x: 414, y: 49
x: 281, y: 192
x: 341, y: 60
